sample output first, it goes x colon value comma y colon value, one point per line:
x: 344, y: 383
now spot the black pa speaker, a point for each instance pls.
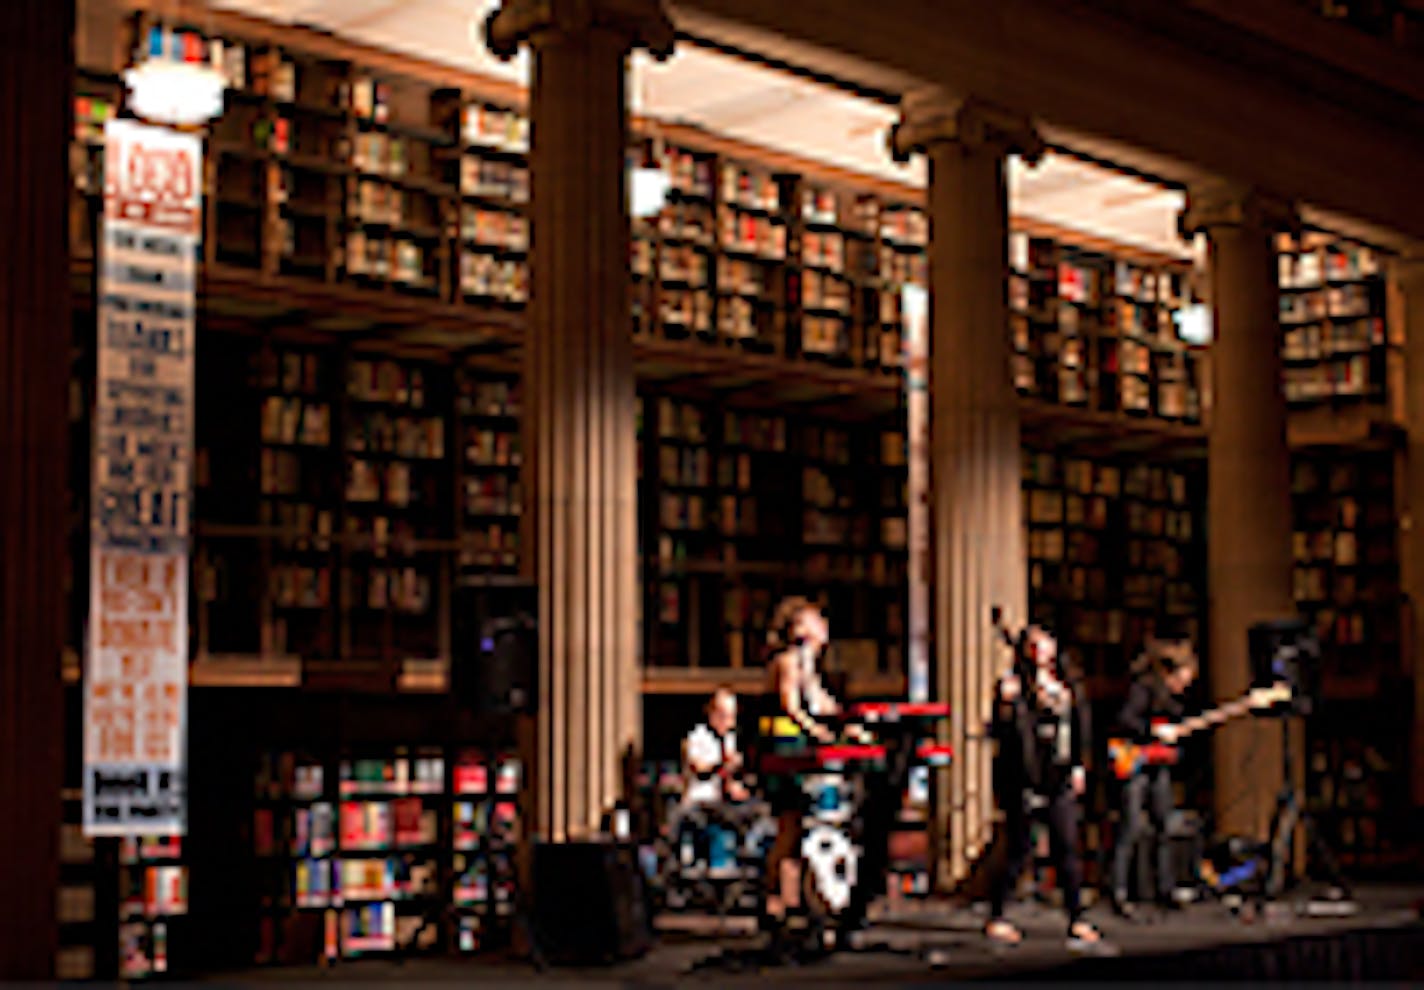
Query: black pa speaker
x: 590, y: 906
x: 495, y: 667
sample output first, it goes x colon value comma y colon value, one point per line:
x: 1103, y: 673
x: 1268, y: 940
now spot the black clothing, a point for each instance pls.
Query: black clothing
x: 1038, y: 750
x: 1146, y: 796
x: 1033, y: 752
x: 1062, y: 815
x: 1148, y: 699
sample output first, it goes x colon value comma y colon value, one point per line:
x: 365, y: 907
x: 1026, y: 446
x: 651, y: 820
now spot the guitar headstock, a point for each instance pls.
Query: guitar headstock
x: 1266, y: 697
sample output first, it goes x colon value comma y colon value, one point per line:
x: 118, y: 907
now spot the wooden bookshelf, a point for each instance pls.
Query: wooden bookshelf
x: 1345, y: 544
x: 1335, y: 344
x: 380, y: 202
x: 740, y: 507
x: 340, y: 489
x: 1115, y: 556
x: 385, y: 851
x: 1098, y: 332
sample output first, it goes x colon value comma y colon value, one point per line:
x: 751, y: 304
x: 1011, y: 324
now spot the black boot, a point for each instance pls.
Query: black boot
x: 1122, y: 907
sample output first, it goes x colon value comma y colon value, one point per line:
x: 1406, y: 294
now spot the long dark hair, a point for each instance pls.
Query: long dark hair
x: 1159, y: 659
x: 1026, y: 667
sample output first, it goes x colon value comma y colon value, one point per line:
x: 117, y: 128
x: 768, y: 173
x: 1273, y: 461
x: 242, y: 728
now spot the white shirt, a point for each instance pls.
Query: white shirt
x: 705, y: 748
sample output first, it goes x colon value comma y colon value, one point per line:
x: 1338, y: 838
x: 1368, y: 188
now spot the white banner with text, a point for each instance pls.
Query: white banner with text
x: 136, y: 670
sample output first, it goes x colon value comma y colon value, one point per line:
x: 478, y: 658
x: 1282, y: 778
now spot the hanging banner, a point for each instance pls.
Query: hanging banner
x: 914, y: 308
x: 136, y: 671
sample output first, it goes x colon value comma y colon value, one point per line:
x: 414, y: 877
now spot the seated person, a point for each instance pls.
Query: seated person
x: 712, y: 765
x: 710, y: 756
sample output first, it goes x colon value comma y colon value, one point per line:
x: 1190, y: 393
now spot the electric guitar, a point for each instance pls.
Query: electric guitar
x: 1128, y: 757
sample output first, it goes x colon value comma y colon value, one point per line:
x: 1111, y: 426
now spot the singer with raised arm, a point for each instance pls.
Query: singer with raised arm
x: 1041, y: 725
x: 1151, y: 714
x: 800, y: 716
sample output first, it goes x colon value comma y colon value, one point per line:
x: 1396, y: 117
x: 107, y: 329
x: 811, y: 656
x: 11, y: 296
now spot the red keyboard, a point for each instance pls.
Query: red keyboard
x: 894, y: 711
x: 837, y: 756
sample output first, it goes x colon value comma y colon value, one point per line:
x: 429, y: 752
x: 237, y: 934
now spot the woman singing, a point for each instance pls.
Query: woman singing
x: 799, y: 634
x: 1041, y: 724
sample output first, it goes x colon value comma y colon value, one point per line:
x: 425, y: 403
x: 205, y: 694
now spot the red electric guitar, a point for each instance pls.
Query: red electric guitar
x: 1128, y: 757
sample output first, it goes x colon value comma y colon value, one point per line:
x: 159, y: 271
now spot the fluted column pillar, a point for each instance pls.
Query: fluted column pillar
x: 580, y: 467
x: 1248, y: 483
x: 36, y: 80
x: 1406, y: 276
x: 976, y: 511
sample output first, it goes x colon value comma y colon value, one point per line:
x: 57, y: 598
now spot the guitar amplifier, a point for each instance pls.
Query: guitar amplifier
x: 590, y: 906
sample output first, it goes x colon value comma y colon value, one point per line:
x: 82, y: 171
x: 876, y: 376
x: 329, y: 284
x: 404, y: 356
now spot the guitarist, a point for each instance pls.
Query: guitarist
x: 1164, y: 671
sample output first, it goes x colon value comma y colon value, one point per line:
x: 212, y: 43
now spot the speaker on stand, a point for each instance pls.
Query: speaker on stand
x: 1287, y: 651
x: 495, y: 667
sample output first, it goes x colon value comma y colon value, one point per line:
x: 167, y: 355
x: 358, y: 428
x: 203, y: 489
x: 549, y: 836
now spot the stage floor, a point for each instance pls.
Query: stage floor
x: 1384, y: 940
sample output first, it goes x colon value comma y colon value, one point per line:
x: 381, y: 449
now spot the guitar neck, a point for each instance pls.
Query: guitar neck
x: 1216, y: 716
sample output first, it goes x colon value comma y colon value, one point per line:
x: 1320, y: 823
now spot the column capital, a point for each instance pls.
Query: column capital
x: 933, y: 116
x: 644, y: 23
x: 1232, y: 204
x: 1407, y: 267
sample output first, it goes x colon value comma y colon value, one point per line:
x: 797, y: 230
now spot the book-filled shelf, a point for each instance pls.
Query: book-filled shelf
x: 341, y: 491
x: 746, y: 256
x: 153, y: 899
x: 333, y: 165
x: 739, y: 508
x: 1098, y: 332
x: 487, y: 420
x: 1347, y: 581
x: 1345, y: 547
x: 1115, y: 556
x: 1337, y: 346
x: 407, y: 851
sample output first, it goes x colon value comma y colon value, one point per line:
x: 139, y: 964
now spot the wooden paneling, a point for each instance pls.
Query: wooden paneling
x: 36, y: 69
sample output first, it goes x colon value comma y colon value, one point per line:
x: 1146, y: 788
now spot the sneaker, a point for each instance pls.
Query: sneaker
x: 1124, y: 908
x: 1003, y: 933
x: 1084, y: 939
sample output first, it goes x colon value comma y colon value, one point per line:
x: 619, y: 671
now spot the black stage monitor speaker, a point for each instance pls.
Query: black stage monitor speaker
x: 1286, y: 650
x: 589, y: 903
x: 496, y: 645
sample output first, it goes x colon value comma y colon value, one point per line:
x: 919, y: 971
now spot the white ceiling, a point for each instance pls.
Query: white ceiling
x: 758, y: 105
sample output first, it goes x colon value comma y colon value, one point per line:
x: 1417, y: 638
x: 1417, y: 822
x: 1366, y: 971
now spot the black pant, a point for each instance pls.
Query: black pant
x: 1062, y: 816
x: 1146, y: 797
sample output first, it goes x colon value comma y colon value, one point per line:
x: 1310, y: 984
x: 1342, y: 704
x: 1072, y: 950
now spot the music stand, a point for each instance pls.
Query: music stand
x: 1286, y: 650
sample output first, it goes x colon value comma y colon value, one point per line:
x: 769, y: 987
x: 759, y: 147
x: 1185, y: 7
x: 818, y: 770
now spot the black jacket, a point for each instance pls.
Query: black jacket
x: 1147, y: 700
x: 1025, y: 760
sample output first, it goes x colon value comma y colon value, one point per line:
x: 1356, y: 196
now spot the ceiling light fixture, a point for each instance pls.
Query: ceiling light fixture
x: 648, y: 181
x: 175, y: 84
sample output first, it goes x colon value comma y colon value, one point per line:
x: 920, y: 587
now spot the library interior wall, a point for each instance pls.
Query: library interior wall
x: 869, y: 439
x: 1047, y: 374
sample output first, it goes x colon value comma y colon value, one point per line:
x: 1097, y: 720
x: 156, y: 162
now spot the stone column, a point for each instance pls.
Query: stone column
x: 36, y: 70
x: 580, y: 467
x: 1406, y: 276
x: 1248, y: 483
x: 977, y: 509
